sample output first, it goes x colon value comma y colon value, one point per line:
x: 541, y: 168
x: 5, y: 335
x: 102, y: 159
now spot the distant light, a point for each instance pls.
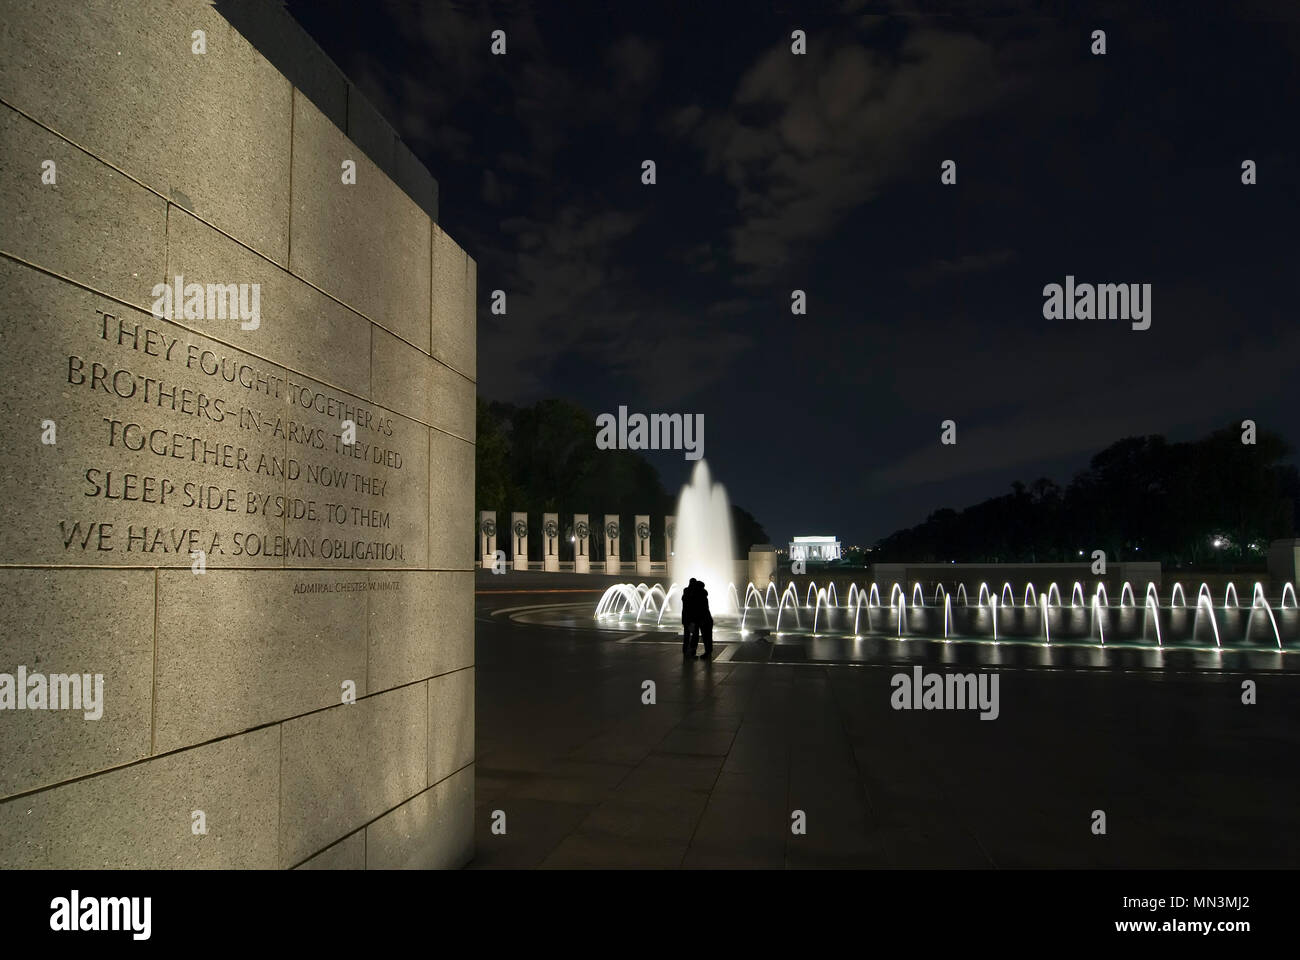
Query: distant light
x: 1218, y: 542
x: 1080, y: 553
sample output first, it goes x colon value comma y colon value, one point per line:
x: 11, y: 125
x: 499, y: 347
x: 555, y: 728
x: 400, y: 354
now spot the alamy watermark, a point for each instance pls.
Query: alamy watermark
x: 213, y: 301
x: 76, y: 913
x: 658, y: 431
x: 58, y: 691
x: 946, y: 691
x: 1103, y: 301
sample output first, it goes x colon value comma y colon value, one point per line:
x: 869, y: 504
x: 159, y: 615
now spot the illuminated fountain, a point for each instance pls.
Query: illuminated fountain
x: 705, y: 545
x: 1046, y: 615
x: 703, y: 548
x: 1042, y: 617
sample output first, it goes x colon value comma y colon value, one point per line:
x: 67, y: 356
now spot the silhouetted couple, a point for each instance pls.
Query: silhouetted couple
x: 696, y: 620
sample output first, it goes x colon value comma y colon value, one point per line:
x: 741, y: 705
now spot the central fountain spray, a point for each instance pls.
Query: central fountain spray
x: 705, y: 545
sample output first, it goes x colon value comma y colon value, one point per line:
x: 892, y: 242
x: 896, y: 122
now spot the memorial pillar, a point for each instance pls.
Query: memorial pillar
x: 519, y: 539
x: 581, y: 544
x: 642, y: 544
x: 762, y: 566
x: 487, y: 539
x: 612, y: 564
x: 1283, y: 562
x: 551, y: 542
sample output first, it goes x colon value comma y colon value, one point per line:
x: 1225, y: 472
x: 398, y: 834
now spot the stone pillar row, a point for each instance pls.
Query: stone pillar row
x: 581, y: 534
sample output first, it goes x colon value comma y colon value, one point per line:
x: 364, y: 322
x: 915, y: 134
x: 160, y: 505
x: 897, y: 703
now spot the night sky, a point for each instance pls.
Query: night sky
x: 822, y: 172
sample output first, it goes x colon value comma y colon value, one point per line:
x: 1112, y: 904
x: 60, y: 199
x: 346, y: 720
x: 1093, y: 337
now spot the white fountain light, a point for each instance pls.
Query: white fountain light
x: 705, y: 546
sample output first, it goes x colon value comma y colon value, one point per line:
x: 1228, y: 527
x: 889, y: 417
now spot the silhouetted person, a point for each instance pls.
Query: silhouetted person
x: 690, y: 621
x: 703, y: 622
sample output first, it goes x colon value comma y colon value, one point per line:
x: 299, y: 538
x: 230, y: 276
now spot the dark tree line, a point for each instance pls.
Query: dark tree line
x: 543, y: 458
x: 1210, y: 502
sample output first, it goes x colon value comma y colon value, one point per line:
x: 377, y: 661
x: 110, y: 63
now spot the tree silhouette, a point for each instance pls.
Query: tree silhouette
x: 1215, y: 501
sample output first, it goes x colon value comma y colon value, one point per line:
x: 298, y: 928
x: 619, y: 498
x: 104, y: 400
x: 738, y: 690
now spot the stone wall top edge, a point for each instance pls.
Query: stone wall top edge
x: 276, y: 35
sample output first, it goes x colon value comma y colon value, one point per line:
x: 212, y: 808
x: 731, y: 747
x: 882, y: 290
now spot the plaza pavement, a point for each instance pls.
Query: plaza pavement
x: 712, y: 773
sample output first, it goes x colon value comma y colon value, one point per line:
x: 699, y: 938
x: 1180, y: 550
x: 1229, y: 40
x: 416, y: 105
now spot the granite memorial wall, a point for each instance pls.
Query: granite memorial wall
x: 237, y: 407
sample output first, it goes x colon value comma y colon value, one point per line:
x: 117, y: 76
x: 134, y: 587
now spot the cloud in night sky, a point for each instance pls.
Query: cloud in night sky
x: 809, y: 139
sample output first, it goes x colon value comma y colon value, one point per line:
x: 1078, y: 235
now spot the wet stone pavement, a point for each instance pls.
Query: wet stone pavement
x: 712, y: 774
